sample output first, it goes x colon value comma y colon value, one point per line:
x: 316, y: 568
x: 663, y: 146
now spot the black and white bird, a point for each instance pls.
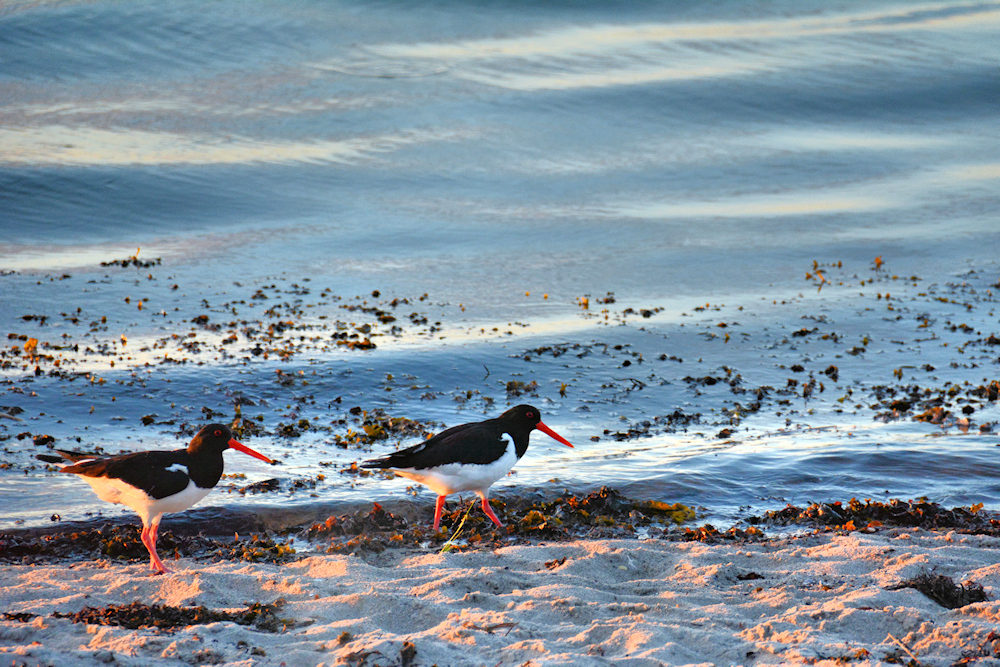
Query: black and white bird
x: 158, y: 482
x: 469, y: 457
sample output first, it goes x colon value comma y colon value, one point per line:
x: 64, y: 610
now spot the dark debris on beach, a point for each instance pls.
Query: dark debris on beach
x: 122, y: 543
x: 136, y: 615
x: 871, y: 515
x: 944, y: 590
x: 606, y: 514
x: 139, y: 615
x: 602, y: 514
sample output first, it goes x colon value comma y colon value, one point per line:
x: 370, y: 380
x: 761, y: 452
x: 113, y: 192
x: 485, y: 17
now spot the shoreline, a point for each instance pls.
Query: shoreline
x: 605, y: 513
x: 821, y: 598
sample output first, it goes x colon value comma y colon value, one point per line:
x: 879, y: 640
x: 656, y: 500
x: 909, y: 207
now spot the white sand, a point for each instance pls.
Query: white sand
x: 611, y: 603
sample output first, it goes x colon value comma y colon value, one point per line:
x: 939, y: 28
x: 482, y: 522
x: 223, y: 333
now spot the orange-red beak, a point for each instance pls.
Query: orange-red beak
x: 552, y: 434
x: 240, y: 447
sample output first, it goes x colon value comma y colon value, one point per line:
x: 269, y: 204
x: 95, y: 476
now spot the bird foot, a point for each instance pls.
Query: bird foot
x: 159, y: 568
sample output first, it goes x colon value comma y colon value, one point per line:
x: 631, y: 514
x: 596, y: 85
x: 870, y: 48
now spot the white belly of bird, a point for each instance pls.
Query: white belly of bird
x: 116, y: 491
x: 456, y: 477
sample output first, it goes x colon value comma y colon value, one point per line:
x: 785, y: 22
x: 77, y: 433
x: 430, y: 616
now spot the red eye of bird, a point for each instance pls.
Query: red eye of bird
x: 218, y: 433
x: 529, y: 414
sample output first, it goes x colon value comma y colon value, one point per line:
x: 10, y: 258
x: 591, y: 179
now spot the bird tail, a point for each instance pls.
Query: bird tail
x: 66, y: 458
x: 376, y: 463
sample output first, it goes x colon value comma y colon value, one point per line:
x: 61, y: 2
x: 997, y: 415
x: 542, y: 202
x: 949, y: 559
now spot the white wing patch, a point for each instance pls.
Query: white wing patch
x: 177, y: 467
x: 66, y: 462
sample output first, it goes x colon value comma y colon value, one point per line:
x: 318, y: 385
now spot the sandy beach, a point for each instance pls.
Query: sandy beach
x: 823, y: 598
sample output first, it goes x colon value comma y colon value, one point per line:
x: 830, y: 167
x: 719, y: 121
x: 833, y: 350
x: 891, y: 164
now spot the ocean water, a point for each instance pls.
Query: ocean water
x: 494, y: 165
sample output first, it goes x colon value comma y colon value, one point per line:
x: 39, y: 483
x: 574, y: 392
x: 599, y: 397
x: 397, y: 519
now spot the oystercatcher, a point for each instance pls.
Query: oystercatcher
x: 159, y: 482
x: 468, y: 457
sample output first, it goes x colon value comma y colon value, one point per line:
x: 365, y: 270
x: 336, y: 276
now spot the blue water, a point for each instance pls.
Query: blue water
x: 506, y: 160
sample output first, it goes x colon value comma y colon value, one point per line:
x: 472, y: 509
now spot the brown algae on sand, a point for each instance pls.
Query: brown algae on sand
x: 944, y: 590
x: 602, y: 514
x: 136, y: 615
x: 870, y: 515
x: 122, y: 543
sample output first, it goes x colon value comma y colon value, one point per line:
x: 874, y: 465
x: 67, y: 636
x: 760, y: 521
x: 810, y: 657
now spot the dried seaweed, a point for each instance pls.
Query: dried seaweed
x: 944, y: 590
x: 139, y: 615
x: 869, y: 514
x: 123, y: 543
x: 375, y: 520
x: 601, y: 514
x: 712, y: 535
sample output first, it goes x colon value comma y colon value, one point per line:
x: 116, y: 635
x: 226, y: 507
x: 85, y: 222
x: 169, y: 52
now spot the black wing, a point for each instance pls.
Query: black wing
x: 150, y: 471
x: 479, y: 442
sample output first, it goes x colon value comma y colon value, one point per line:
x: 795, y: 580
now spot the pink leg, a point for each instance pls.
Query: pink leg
x: 489, y: 511
x: 149, y: 535
x: 437, y: 512
x: 144, y: 536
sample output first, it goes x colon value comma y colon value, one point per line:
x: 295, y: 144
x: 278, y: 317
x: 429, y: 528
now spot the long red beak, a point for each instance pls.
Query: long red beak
x: 552, y: 434
x: 240, y: 447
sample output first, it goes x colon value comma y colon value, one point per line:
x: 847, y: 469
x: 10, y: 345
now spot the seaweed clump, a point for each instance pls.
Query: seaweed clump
x: 603, y: 513
x: 944, y: 590
x: 870, y: 515
x: 933, y: 405
x: 712, y: 535
x: 671, y: 423
x: 363, y: 530
x: 139, y: 615
x: 118, y: 542
x: 255, y: 549
x: 378, y: 425
x: 123, y: 543
x: 133, y: 261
